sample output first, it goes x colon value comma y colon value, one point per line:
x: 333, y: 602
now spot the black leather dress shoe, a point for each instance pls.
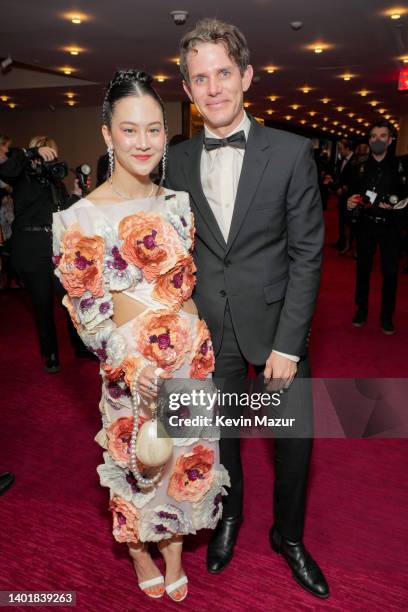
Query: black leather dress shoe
x: 52, y: 364
x: 304, y: 568
x: 221, y: 547
x: 6, y: 480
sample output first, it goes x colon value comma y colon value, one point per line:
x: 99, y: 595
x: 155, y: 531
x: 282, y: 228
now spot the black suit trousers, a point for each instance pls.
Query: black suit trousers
x: 291, y: 456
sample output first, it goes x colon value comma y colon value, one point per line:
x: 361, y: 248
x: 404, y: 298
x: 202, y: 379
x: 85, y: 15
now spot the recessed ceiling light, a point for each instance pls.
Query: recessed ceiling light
x: 247, y: 104
x: 360, y: 120
x: 270, y: 69
x: 273, y: 98
x: 288, y: 117
x: 381, y: 110
x: 70, y: 94
x: 373, y: 102
x: 363, y: 93
x: 395, y: 16
x: 306, y: 89
x: 340, y: 108
x: 325, y: 100
x: 71, y: 102
x: 351, y: 115
x: 344, y: 126
x: 4, y: 98
x: 405, y: 60
x: 325, y: 118
x: 388, y: 116
x: 295, y: 106
x: 160, y: 78
x: 335, y: 122
x: 367, y: 124
x: 314, y: 125
x: 324, y: 128
x: 270, y: 111
x: 347, y: 76
x: 312, y: 113
x: 12, y: 105
x: 76, y: 19
x: 303, y: 121
x: 74, y: 51
x: 318, y: 50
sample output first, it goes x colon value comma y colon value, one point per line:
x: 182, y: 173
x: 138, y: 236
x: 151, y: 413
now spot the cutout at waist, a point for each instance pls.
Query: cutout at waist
x: 126, y: 308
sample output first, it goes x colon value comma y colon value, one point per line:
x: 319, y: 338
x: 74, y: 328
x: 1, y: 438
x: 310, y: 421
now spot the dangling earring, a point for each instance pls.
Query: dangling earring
x: 111, y: 161
x: 164, y: 164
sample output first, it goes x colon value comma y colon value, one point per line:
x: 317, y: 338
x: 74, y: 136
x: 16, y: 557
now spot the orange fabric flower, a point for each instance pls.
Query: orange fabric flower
x: 119, y: 434
x: 67, y: 302
x: 176, y: 287
x: 125, y: 520
x: 81, y: 263
x: 202, y: 352
x: 192, y: 475
x: 127, y: 369
x: 163, y: 337
x: 150, y: 243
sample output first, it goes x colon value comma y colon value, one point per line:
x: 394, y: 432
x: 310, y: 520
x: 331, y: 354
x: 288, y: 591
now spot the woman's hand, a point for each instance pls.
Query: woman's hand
x: 353, y: 201
x: 148, y: 383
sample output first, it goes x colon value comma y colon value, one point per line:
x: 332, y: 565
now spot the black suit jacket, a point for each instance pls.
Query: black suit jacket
x: 269, y: 269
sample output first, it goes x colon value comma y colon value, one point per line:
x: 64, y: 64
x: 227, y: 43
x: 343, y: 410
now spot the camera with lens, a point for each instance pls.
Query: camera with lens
x: 82, y: 174
x: 52, y: 171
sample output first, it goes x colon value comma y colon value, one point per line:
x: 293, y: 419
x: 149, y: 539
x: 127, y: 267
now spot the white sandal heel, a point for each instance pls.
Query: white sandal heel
x: 176, y: 585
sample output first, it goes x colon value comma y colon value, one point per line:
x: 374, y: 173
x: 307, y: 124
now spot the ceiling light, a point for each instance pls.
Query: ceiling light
x: 324, y: 128
x: 71, y: 102
x: 4, y: 98
x: 351, y: 115
x: 363, y: 93
x: 70, y: 94
x: 405, y: 60
x: 325, y: 118
x: 160, y: 78
x: 76, y: 19
x: 347, y: 76
x: 318, y: 50
x: 335, y: 123
x: 395, y: 16
x: 312, y: 113
x: 295, y: 106
x: 74, y: 51
x: 373, y: 102
x: 325, y: 100
x: 303, y: 121
x: 367, y: 124
x: 388, y: 116
x: 306, y: 89
x: 288, y: 117
x: 314, y: 125
x: 270, y: 111
x: 273, y: 98
x: 340, y: 108
x: 270, y: 69
x: 67, y: 70
x: 247, y: 104
x: 360, y: 120
x: 12, y: 105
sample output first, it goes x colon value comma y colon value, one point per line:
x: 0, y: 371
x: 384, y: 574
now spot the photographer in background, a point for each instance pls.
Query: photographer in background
x: 341, y: 187
x: 377, y: 187
x: 38, y: 190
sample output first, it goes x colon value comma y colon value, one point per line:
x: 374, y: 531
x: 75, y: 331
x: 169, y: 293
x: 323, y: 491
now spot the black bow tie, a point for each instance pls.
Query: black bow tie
x: 236, y: 140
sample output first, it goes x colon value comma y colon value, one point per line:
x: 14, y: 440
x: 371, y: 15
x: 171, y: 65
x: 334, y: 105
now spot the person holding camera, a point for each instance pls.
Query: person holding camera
x: 38, y: 191
x: 377, y: 188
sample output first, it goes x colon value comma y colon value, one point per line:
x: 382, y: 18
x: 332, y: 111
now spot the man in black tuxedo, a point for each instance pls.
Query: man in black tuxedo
x: 259, y: 238
x: 344, y: 175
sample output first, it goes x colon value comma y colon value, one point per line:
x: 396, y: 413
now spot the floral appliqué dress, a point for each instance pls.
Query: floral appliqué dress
x: 142, y: 248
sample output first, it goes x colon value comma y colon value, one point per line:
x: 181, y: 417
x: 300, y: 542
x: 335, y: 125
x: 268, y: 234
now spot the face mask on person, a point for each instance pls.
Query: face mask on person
x: 378, y: 147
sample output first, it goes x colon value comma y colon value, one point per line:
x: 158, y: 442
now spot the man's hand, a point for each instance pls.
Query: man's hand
x: 353, y: 201
x: 280, y: 371
x: 47, y: 153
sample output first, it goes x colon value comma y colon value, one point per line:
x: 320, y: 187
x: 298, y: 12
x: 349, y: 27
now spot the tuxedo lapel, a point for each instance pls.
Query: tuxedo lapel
x: 253, y: 167
x: 193, y: 178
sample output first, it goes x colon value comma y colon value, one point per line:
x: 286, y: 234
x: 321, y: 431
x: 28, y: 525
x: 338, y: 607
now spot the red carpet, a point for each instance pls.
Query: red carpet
x: 55, y: 529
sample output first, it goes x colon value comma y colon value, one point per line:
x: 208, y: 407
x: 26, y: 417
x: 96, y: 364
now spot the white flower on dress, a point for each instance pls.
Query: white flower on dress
x: 208, y: 510
x: 122, y: 482
x: 178, y: 213
x: 108, y: 344
x: 91, y: 311
x: 163, y: 522
x: 118, y: 273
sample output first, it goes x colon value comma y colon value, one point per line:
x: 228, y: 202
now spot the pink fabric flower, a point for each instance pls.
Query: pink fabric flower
x: 150, y: 243
x: 163, y: 337
x: 192, y: 475
x: 125, y: 520
x: 119, y: 434
x: 81, y: 263
x: 176, y: 287
x: 202, y: 353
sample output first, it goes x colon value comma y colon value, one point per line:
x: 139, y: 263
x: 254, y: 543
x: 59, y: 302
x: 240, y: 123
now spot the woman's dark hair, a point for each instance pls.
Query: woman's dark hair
x: 128, y: 83
x: 137, y: 83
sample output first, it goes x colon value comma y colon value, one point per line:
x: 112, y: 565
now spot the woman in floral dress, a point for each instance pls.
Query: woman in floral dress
x: 124, y: 256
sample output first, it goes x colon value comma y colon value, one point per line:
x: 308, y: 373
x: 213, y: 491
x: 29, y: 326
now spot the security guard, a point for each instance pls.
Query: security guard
x: 378, y: 186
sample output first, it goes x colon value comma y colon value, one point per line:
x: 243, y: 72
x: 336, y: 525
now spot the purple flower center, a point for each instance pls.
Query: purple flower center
x: 204, y: 348
x: 56, y: 260
x: 101, y: 352
x: 194, y: 474
x: 183, y: 221
x: 121, y: 518
x: 86, y: 303
x: 82, y: 262
x: 163, y: 340
x: 167, y: 515
x: 104, y: 307
x: 217, y: 501
x: 178, y: 280
x: 160, y: 528
x: 149, y: 240
x: 118, y: 262
x: 115, y: 391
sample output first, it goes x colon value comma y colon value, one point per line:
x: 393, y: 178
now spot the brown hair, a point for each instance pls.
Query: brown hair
x: 4, y: 139
x: 215, y: 31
